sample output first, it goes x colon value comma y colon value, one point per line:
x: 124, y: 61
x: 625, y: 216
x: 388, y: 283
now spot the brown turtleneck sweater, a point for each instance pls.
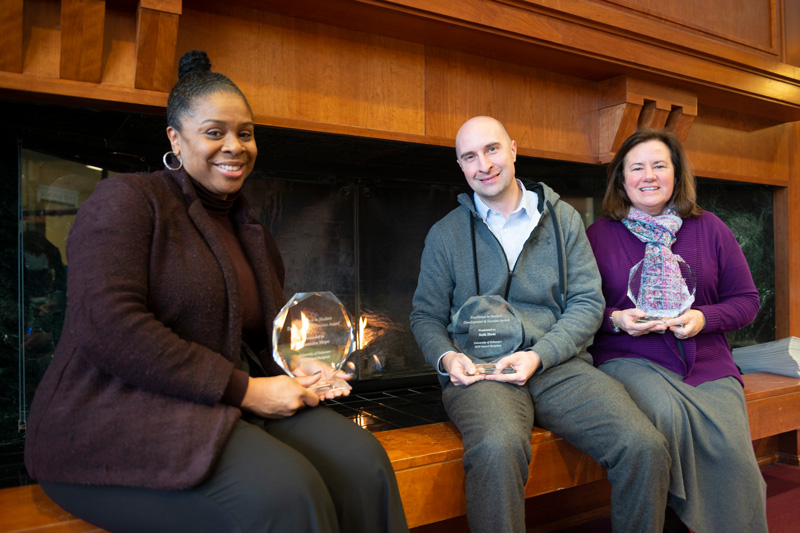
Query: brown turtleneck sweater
x: 252, y: 313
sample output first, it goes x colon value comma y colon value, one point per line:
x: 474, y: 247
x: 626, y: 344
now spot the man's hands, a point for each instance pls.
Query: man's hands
x: 462, y: 369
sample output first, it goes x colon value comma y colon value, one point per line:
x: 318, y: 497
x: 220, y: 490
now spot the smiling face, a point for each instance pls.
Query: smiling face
x: 486, y: 155
x: 216, y: 142
x: 649, y: 177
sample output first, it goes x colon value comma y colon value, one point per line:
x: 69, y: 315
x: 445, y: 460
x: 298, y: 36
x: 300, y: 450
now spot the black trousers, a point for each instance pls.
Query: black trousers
x: 315, y: 471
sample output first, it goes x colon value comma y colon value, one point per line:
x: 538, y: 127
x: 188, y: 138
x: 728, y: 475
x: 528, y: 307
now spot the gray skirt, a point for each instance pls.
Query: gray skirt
x: 715, y: 481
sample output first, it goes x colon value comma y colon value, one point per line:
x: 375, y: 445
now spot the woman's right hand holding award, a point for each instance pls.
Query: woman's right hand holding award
x: 313, y: 335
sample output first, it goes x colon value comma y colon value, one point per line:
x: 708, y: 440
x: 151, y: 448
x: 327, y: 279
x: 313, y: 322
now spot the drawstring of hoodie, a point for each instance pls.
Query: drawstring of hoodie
x: 562, y: 282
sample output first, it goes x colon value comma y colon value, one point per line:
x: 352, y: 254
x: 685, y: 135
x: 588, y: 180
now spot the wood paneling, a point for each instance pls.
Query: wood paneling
x: 41, y: 38
x: 82, y: 24
x: 628, y: 104
x: 156, y: 38
x: 427, y: 462
x: 290, y: 68
x: 168, y: 6
x: 119, y: 48
x: 69, y: 92
x: 726, y: 145
x: 549, y: 115
x: 11, y: 35
x: 28, y: 508
x: 789, y: 447
x: 791, y: 32
x: 787, y: 244
x: 772, y: 404
x: 620, y: 40
x: 747, y: 22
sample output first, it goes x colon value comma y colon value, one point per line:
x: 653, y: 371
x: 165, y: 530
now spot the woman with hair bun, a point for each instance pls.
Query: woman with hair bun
x: 162, y: 409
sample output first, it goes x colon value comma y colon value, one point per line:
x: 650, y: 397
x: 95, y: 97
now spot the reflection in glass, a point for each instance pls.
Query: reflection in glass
x: 51, y: 191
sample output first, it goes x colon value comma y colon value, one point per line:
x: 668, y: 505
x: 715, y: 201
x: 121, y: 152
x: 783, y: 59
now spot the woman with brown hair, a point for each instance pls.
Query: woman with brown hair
x: 678, y: 367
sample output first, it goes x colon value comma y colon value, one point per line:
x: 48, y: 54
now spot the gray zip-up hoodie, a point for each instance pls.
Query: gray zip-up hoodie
x: 560, y: 313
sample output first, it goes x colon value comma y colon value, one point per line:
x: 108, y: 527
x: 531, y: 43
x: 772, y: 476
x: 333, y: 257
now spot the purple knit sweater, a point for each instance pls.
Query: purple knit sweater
x: 726, y: 295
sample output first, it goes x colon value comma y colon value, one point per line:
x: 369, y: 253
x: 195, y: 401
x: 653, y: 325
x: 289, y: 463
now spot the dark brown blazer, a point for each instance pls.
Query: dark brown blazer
x: 151, y: 338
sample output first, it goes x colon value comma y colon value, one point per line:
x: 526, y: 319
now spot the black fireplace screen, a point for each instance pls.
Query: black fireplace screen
x: 349, y: 215
x: 361, y: 240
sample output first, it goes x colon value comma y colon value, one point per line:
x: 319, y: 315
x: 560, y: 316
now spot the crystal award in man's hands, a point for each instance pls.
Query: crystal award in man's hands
x: 661, y: 292
x: 314, y: 325
x: 487, y: 328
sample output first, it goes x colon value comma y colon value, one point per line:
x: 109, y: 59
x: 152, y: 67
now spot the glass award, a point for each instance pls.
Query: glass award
x: 658, y: 294
x: 486, y: 329
x: 314, y: 325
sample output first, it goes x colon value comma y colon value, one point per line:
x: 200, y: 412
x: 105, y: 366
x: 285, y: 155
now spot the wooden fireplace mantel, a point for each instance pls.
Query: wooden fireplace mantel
x: 570, y: 79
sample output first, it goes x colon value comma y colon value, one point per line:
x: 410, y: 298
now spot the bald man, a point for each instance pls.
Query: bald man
x: 516, y: 243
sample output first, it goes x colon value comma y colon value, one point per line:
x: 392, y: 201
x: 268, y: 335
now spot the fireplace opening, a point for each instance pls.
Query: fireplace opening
x: 349, y: 214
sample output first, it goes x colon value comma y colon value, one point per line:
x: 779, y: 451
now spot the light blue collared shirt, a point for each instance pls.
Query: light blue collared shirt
x: 514, y: 231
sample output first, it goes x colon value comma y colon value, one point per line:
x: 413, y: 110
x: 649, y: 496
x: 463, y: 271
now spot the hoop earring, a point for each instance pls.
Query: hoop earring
x: 166, y: 163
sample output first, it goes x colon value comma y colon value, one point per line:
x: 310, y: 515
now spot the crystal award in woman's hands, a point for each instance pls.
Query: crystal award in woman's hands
x: 661, y: 291
x: 313, y: 328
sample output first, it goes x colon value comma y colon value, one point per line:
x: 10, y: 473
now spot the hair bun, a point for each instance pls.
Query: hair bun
x: 194, y: 61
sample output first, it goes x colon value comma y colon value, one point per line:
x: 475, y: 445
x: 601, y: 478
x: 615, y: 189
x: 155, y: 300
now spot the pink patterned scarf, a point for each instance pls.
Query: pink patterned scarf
x: 663, y: 288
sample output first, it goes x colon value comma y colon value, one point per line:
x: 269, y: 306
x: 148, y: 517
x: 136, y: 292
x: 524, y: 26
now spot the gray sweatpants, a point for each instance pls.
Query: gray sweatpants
x: 590, y: 410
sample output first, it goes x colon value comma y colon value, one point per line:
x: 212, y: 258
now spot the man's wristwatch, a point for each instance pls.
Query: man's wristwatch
x: 613, y: 324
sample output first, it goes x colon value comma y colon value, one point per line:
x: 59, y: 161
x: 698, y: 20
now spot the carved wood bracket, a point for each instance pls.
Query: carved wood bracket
x: 11, y: 35
x: 629, y: 104
x: 82, y: 24
x: 156, y: 40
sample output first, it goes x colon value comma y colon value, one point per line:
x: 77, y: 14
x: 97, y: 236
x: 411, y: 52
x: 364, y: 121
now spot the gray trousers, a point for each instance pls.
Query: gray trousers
x: 590, y: 410
x: 313, y: 472
x: 715, y: 483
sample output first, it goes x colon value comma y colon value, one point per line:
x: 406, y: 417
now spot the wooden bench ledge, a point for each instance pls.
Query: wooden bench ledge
x: 427, y: 461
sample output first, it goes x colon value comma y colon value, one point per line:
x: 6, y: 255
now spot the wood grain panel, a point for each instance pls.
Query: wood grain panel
x: 11, y: 35
x: 28, y: 508
x: 614, y: 37
x: 628, y: 104
x: 156, y: 39
x: 549, y: 115
x: 119, y: 48
x: 294, y: 69
x: 791, y: 32
x: 41, y: 38
x: 766, y: 450
x: 771, y: 413
x: 82, y: 24
x: 748, y: 22
x: 723, y: 144
x: 787, y: 244
x: 430, y: 474
x: 168, y: 6
x: 557, y: 465
x: 68, y: 92
x: 789, y: 447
